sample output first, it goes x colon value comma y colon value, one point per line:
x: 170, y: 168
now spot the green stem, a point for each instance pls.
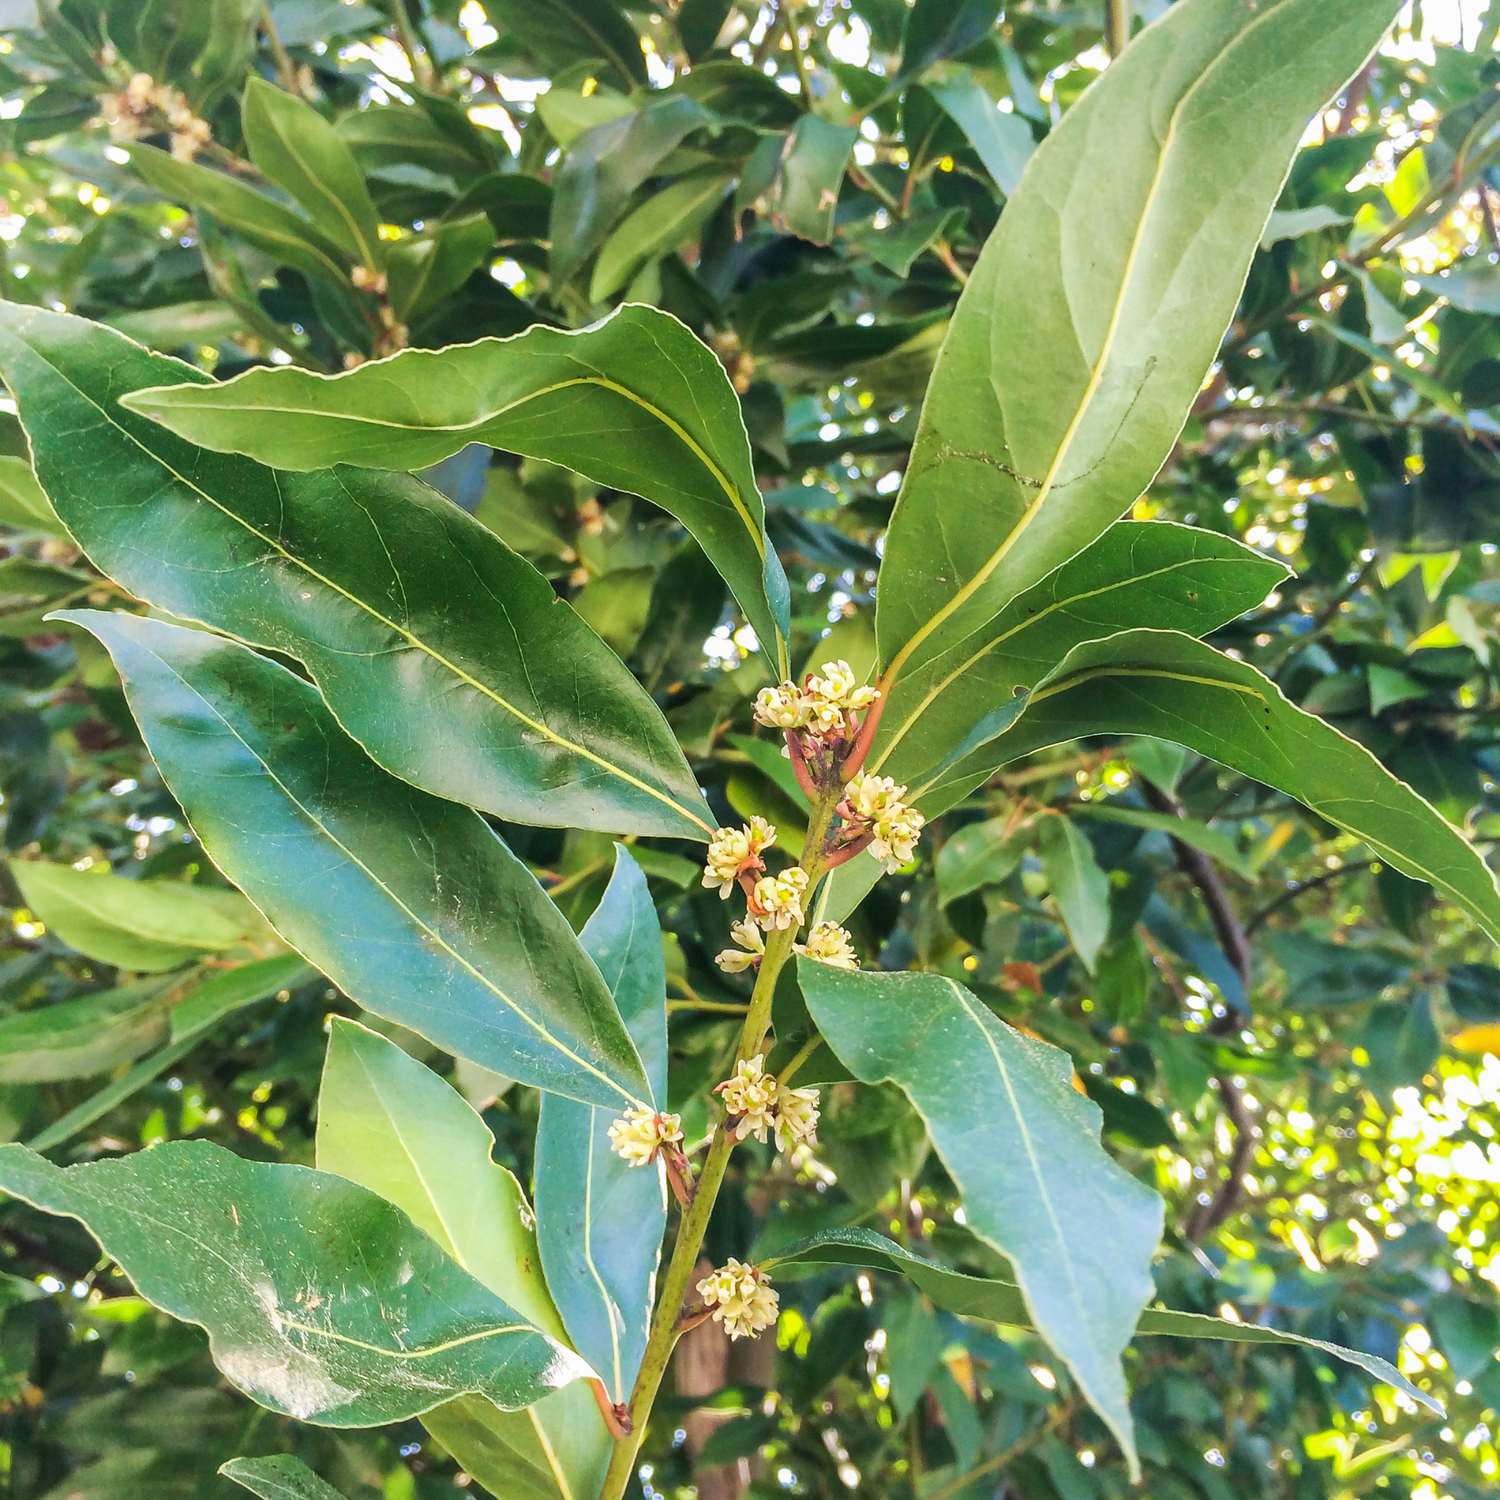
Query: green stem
x: 690, y: 1232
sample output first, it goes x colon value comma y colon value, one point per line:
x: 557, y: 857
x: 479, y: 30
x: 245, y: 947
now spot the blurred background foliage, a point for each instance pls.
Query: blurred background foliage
x: 1300, y: 1049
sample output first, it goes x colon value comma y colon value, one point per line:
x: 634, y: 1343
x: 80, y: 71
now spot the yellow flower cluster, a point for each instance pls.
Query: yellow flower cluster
x: 131, y: 112
x: 876, y: 802
x: 643, y: 1134
x: 831, y: 945
x: 752, y: 948
x: 756, y: 1102
x: 824, y: 705
x: 734, y: 851
x: 742, y: 1299
x: 777, y: 902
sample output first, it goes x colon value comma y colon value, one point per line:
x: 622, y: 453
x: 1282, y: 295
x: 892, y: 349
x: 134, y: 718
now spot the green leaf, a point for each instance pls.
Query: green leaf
x: 600, y: 1221
x: 1078, y: 885
x: 321, y: 1301
x: 813, y: 163
x: 1214, y: 842
x: 262, y: 221
x: 977, y: 855
x: 603, y: 168
x: 1293, y: 223
x: 78, y: 1038
x: 1176, y: 576
x: 664, y: 221
x: 634, y: 402
x: 423, y: 269
x: 899, y: 244
x: 561, y: 32
x: 478, y: 697
x: 1157, y: 682
x: 389, y: 1123
x: 378, y: 884
x: 23, y: 502
x: 1097, y: 305
x: 298, y: 150
x: 1023, y: 1148
x: 196, y: 1014
x: 1003, y: 142
x: 180, y: 323
x: 1001, y: 1301
x: 935, y: 29
x: 150, y: 925
x: 280, y: 1477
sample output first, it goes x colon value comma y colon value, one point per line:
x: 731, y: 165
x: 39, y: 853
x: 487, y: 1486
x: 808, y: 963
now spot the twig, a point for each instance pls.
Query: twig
x: 1354, y: 96
x: 1058, y: 1416
x: 804, y: 83
x: 1292, y: 892
x: 1116, y: 26
x: 284, y: 64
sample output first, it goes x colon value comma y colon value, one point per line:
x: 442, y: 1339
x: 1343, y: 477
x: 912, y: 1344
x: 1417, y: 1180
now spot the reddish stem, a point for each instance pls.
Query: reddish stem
x: 856, y: 756
x: 679, y: 1179
x: 616, y: 1415
x: 799, y: 765
x: 844, y: 855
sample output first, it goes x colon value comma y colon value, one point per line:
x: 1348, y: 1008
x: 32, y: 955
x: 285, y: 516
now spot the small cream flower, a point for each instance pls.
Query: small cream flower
x: 796, y: 1118
x: 876, y: 801
x: 642, y: 1135
x: 752, y: 947
x: 777, y: 903
x: 750, y: 1095
x: 781, y: 707
x: 838, y: 685
x: 829, y: 944
x: 735, y: 850
x: 742, y: 1299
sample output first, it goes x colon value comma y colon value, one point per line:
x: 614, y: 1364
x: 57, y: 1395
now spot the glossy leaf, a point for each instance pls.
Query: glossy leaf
x: 321, y: 1301
x: 78, y: 1038
x: 571, y: 31
x: 603, y: 168
x: 665, y: 220
x: 392, y: 1125
x: 279, y: 1477
x: 150, y: 925
x: 1001, y: 1301
x: 1079, y: 887
x: 634, y: 402
x: 425, y: 268
x: 812, y: 170
x: 976, y: 855
x: 298, y: 150
x: 389, y: 1123
x: 1003, y: 142
x: 268, y: 225
x: 501, y: 698
x: 1085, y: 331
x: 1160, y: 683
x: 935, y: 29
x: 408, y: 902
x: 600, y: 1221
x: 1214, y: 842
x: 1178, y: 577
x: 1023, y: 1148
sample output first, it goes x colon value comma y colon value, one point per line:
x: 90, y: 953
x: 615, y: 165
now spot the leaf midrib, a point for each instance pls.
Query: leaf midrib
x: 1096, y: 375
x: 414, y: 641
x: 416, y: 921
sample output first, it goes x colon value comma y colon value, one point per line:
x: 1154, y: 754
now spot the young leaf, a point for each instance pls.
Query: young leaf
x: 634, y: 402
x: 664, y: 221
x: 1178, y: 577
x: 1023, y: 1148
x: 1001, y: 1301
x: 1003, y: 142
x: 599, y: 1220
x: 1085, y: 331
x: 392, y: 1125
x: 23, y: 502
x: 423, y: 269
x: 1078, y: 885
x: 489, y: 692
x: 150, y: 925
x: 321, y: 1301
x: 298, y: 150
x: 408, y: 902
x: 265, y: 223
x: 193, y: 1017
x: 78, y: 1038
x: 279, y: 1477
x: 1160, y: 683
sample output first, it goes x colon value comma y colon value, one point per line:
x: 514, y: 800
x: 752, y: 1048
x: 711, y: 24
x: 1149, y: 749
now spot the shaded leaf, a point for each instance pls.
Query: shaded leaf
x: 1023, y: 1148
x: 813, y: 162
x: 1003, y: 142
x: 408, y: 902
x: 279, y: 1477
x: 78, y: 1038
